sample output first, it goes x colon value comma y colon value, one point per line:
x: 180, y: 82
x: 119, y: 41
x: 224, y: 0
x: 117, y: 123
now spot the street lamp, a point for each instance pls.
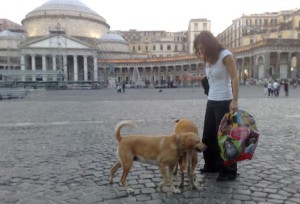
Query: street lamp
x: 292, y: 72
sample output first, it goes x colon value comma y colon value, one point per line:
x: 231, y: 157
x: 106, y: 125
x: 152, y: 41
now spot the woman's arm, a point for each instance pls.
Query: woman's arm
x: 229, y: 62
x: 188, y: 77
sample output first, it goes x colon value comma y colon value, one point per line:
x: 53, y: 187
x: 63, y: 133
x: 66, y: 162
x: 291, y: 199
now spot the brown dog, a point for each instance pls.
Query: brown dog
x: 163, y: 151
x: 188, y: 161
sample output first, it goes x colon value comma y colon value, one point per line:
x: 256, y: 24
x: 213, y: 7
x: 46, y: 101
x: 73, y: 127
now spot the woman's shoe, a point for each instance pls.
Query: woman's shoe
x: 209, y: 170
x: 226, y: 176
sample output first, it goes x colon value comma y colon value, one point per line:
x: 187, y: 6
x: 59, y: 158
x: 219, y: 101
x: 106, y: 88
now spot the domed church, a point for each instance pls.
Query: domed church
x: 63, y: 38
x: 65, y: 42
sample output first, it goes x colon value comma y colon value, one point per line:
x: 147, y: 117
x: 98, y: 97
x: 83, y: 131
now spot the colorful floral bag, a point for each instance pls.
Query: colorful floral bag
x: 237, y: 137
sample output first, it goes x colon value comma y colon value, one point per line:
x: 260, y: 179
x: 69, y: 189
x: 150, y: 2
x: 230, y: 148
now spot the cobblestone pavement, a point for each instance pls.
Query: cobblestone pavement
x: 57, y: 147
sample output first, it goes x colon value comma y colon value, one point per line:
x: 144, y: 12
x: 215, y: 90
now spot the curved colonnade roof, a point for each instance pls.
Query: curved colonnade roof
x: 151, y: 60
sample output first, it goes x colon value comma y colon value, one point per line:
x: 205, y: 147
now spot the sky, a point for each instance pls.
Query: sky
x: 167, y: 15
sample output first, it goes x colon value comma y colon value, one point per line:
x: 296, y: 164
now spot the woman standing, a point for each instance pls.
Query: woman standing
x: 223, y: 92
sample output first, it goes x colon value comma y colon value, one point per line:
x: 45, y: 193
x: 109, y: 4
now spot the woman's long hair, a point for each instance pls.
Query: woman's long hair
x: 212, y: 47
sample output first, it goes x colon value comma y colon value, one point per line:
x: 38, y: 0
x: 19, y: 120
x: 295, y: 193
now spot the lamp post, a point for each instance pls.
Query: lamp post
x: 292, y: 72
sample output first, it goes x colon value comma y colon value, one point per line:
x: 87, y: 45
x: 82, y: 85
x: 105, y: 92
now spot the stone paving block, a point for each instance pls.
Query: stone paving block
x: 55, y: 147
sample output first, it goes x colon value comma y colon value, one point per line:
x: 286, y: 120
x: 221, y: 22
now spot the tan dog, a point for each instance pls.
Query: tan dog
x: 188, y: 161
x: 163, y: 151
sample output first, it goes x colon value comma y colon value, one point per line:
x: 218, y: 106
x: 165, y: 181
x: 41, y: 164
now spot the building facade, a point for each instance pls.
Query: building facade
x: 195, y: 27
x: 265, y: 45
x: 67, y: 41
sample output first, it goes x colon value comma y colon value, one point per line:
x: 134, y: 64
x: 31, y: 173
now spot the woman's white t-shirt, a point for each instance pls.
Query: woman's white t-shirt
x: 219, y: 80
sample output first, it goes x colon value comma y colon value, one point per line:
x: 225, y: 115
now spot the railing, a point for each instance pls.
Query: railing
x: 10, y: 72
x: 11, y: 93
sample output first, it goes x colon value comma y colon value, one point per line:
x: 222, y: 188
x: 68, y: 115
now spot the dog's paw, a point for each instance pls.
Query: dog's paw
x: 110, y: 180
x: 193, y: 187
x: 181, y: 185
x: 176, y: 191
x: 129, y: 190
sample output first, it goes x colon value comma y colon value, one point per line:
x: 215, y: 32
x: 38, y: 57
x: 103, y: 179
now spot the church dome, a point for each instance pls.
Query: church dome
x: 114, y: 46
x: 65, y: 5
x: 72, y: 17
x: 113, y: 37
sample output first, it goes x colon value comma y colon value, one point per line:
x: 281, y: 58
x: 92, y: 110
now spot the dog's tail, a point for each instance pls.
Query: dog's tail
x: 119, y: 126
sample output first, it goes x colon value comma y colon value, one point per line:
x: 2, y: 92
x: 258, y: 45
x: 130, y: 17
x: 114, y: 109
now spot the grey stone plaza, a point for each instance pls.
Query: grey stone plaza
x: 57, y: 147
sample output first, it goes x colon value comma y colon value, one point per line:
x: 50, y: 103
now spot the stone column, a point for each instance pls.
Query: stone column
x: 95, y: 69
x: 54, y: 67
x: 85, y: 68
x: 75, y: 68
x: 65, y: 67
x: 44, y: 67
x: 23, y: 67
x: 241, y: 76
x: 277, y: 67
x: 33, y: 68
x: 151, y: 75
x: 298, y: 65
x: 267, y: 64
x: 251, y: 68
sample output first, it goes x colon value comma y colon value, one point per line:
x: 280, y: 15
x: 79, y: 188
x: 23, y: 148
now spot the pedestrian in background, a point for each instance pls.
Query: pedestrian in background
x: 286, y: 88
x: 266, y: 88
x: 270, y: 89
x: 123, y: 87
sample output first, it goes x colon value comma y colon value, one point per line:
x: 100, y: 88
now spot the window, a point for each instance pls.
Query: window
x: 154, y: 47
x: 248, y: 22
x: 204, y: 26
x: 273, y: 22
x: 266, y: 22
x: 161, y: 47
x: 257, y: 22
x: 169, y: 47
x: 146, y: 48
x: 133, y: 48
x: 139, y: 47
x: 195, y: 26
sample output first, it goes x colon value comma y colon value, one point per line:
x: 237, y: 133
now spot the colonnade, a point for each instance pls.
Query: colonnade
x: 47, y: 67
x: 156, y: 72
x: 269, y: 59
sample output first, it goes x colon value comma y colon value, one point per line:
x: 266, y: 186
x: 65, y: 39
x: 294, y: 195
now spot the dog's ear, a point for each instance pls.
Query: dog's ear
x: 177, y: 121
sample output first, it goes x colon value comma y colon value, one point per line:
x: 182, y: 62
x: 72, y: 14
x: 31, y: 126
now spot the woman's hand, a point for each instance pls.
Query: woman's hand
x: 187, y: 76
x: 233, y: 106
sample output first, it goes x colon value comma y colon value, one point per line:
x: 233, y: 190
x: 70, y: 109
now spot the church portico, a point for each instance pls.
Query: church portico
x: 75, y: 62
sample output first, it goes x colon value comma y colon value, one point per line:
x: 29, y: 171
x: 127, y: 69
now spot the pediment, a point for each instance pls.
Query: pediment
x: 58, y: 41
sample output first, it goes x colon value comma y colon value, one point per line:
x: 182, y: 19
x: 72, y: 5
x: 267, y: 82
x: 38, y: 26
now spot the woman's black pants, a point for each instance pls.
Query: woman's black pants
x: 215, y: 111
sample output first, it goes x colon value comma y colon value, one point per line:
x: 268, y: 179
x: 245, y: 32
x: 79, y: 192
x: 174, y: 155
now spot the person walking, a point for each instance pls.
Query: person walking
x: 266, y: 88
x: 276, y: 88
x: 223, y: 81
x: 270, y: 89
x: 123, y: 86
x: 286, y: 88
